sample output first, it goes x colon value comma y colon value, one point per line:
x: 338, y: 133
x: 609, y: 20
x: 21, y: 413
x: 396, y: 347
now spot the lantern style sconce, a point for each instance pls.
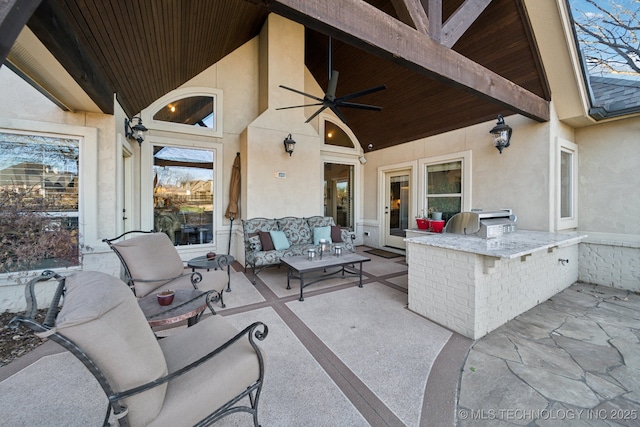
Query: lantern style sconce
x: 288, y: 145
x: 136, y: 131
x: 501, y: 134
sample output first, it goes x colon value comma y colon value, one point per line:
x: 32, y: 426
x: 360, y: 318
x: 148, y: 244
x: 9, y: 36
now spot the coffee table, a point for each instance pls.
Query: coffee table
x: 298, y: 266
x: 218, y: 262
x: 187, y: 305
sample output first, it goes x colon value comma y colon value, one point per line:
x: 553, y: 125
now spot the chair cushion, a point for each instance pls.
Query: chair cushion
x: 194, y: 395
x: 150, y: 257
x: 102, y: 316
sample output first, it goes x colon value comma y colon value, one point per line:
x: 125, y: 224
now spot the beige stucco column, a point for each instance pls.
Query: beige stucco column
x: 274, y: 183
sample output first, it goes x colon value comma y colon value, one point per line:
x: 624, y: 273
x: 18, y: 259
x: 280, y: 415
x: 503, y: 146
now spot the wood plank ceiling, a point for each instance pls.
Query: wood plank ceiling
x: 143, y: 49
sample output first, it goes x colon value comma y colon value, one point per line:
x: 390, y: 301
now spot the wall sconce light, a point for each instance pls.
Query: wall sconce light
x: 288, y: 145
x: 136, y: 131
x: 501, y: 134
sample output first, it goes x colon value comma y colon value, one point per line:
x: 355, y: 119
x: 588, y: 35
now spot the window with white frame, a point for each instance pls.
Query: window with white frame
x: 39, y: 183
x: 444, y: 188
x: 566, y: 191
x: 183, y: 193
x: 447, y: 184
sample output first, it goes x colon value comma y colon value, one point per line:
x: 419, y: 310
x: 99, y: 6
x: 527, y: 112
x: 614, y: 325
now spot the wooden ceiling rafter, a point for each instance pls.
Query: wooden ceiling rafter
x: 410, y: 48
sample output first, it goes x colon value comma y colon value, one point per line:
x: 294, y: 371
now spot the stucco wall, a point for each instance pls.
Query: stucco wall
x: 518, y: 178
x: 609, y: 186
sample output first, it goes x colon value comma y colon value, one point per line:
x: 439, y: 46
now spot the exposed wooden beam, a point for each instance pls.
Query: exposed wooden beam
x: 411, y: 12
x: 365, y: 27
x: 434, y: 8
x: 461, y: 20
x: 14, y: 15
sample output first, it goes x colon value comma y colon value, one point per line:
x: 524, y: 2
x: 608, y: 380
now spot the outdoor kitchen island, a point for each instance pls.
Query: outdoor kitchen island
x: 472, y: 285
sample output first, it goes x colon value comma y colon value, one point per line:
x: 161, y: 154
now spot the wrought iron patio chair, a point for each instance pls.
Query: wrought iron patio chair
x: 151, y: 262
x: 193, y: 377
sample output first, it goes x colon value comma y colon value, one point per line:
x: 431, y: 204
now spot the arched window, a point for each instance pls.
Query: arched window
x: 334, y: 135
x: 188, y: 110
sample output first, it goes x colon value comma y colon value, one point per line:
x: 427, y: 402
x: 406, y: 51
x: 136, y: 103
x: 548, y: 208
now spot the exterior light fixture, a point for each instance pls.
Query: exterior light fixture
x: 501, y: 134
x: 136, y: 131
x: 288, y: 145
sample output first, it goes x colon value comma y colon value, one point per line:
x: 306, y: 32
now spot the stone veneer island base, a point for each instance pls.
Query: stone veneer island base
x: 473, y: 285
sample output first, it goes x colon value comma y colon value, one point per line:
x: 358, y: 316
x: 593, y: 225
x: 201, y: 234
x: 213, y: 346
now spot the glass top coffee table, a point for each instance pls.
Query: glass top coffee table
x: 298, y: 266
x: 188, y: 304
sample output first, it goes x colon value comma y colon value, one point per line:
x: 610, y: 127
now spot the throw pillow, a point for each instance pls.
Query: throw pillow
x: 321, y: 233
x: 254, y: 240
x: 279, y: 240
x: 265, y: 241
x: 336, y: 234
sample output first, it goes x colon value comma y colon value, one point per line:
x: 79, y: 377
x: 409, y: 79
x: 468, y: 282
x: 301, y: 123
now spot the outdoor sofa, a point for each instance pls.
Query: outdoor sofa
x: 267, y: 240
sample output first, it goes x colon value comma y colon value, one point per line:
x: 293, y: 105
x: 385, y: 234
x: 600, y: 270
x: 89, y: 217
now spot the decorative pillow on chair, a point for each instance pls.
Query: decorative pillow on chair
x: 279, y: 240
x: 321, y: 233
x: 336, y: 234
x: 266, y: 241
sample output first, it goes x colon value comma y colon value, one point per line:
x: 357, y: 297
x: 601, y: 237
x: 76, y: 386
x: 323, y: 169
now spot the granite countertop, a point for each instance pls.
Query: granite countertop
x: 512, y: 245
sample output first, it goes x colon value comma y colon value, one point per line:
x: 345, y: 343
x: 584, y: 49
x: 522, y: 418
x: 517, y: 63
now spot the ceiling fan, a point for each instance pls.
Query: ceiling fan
x: 330, y: 101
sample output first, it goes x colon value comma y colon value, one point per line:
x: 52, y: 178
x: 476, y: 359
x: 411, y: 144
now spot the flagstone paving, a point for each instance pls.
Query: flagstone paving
x: 573, y: 360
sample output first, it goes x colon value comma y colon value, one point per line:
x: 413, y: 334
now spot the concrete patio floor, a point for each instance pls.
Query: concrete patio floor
x: 350, y: 356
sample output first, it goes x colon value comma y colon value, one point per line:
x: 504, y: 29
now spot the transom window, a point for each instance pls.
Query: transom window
x: 192, y: 110
x: 334, y: 135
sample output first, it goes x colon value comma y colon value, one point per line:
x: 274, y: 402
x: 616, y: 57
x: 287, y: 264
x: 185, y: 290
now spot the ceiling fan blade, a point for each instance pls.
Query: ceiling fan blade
x: 360, y: 106
x: 320, y: 110
x: 362, y: 93
x: 331, y: 88
x: 302, y: 93
x: 298, y: 106
x: 338, y: 113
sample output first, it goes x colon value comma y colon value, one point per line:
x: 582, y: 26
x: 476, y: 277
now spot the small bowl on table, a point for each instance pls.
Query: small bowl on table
x: 166, y: 297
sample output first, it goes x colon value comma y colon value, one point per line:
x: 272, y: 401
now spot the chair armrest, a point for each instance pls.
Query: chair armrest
x: 257, y: 329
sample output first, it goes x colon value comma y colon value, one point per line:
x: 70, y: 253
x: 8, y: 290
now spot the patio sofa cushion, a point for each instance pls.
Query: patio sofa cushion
x: 297, y: 230
x: 266, y: 242
x: 129, y: 355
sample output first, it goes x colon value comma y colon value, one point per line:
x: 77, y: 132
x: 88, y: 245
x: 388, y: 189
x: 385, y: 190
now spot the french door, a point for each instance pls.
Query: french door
x: 397, y: 201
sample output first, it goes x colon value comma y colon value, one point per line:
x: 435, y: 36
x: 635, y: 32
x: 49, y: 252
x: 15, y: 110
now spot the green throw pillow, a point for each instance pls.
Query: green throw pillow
x: 321, y: 233
x: 279, y: 240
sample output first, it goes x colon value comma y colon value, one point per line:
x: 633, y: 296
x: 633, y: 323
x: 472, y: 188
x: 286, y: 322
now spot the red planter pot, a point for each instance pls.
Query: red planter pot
x: 423, y: 224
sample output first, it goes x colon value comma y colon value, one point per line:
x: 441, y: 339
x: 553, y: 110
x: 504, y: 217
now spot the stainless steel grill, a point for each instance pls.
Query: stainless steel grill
x: 489, y: 224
